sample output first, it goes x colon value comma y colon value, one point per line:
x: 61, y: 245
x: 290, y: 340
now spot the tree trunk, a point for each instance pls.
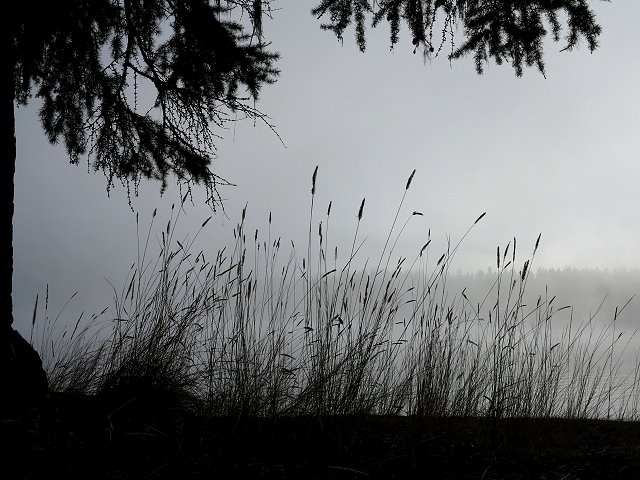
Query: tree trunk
x: 23, y: 382
x: 7, y: 170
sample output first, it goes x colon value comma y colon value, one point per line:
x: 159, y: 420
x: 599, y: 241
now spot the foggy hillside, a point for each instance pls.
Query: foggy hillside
x: 583, y: 289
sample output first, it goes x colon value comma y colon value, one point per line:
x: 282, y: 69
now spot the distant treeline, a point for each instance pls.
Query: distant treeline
x: 583, y: 289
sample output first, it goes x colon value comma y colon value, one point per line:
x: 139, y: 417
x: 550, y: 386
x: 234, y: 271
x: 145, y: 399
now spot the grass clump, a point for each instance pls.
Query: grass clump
x: 253, y: 332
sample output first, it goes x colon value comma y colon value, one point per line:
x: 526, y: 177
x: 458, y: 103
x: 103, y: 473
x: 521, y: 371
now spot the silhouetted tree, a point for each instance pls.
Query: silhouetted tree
x: 87, y: 60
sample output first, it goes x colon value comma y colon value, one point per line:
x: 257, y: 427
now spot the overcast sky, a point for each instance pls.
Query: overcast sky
x: 558, y: 156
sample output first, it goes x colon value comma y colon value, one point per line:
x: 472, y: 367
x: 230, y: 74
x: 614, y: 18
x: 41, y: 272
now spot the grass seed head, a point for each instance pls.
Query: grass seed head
x: 410, y: 179
x: 313, y: 181
x: 360, y: 210
x: 524, y: 269
x: 424, y: 246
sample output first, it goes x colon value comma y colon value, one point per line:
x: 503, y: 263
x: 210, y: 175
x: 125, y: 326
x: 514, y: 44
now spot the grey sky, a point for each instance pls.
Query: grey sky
x: 559, y: 155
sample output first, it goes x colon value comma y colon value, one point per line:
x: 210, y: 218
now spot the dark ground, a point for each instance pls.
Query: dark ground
x: 76, y: 437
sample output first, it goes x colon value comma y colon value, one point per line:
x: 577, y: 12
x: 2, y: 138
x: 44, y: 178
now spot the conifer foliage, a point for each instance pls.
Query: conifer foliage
x: 88, y: 61
x: 510, y: 31
x: 135, y: 87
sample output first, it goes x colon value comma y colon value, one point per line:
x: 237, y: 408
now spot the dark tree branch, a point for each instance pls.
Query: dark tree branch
x: 507, y: 30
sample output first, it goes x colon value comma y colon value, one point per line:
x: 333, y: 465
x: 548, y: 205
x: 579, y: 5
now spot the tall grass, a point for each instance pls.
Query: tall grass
x: 253, y: 331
